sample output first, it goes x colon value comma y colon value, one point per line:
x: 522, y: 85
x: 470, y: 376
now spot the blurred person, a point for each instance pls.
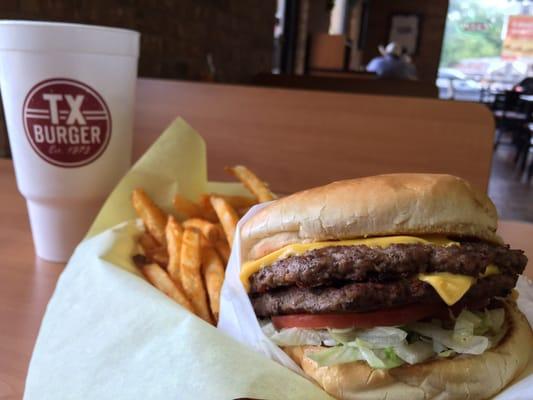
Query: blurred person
x: 409, y: 60
x: 393, y: 63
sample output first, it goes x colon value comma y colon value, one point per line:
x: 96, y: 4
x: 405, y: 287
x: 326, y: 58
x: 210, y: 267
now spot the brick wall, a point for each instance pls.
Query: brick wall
x: 433, y: 18
x: 177, y: 35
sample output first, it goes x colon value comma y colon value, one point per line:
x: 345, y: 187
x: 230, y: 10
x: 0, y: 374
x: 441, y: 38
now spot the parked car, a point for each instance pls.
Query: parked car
x: 525, y: 86
x: 454, y: 84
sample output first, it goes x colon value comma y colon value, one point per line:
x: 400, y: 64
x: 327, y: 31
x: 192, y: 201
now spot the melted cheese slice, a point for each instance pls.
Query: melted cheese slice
x: 251, y: 267
x: 490, y: 270
x: 450, y: 287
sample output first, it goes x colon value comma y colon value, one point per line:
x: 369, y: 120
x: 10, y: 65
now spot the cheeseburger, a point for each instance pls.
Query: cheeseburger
x: 392, y: 286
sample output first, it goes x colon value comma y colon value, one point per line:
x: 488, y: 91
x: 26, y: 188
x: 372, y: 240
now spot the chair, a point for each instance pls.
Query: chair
x: 530, y: 171
x: 327, y: 52
x: 297, y: 139
x: 522, y: 138
x: 506, y: 115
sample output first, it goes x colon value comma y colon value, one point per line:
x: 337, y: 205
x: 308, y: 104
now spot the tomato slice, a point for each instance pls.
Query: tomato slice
x: 391, y: 316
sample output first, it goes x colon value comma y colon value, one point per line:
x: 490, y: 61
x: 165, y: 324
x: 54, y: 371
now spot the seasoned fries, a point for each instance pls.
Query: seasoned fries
x: 186, y: 258
x: 153, y: 251
x: 153, y: 217
x: 174, y: 233
x: 242, y: 211
x: 208, y: 229
x: 190, y: 273
x: 255, y: 185
x: 159, y: 256
x: 223, y: 250
x: 160, y: 279
x: 227, y: 215
x: 213, y: 270
x: 237, y: 202
x: 187, y: 208
x: 148, y: 243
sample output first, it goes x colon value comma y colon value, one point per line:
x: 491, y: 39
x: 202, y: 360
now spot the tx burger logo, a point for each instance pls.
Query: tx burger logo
x: 67, y: 122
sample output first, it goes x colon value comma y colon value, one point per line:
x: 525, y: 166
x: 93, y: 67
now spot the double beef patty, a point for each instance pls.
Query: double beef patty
x: 360, y: 278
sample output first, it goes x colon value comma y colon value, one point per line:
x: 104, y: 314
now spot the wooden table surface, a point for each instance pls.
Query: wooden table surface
x: 26, y: 283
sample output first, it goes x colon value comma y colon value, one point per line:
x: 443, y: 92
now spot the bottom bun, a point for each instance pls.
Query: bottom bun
x: 461, y: 377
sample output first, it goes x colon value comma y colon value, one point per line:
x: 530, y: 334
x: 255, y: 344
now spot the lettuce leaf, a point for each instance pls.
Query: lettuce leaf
x: 463, y: 343
x: 382, y: 337
x: 343, y: 335
x: 357, y: 350
x: 494, y: 319
x: 380, y: 358
x: 389, y: 347
x: 297, y: 336
x: 446, y: 353
x: 336, y: 355
x: 414, y: 353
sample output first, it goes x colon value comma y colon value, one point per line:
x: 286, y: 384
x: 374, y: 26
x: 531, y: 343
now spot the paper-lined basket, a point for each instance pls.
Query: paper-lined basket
x: 108, y: 334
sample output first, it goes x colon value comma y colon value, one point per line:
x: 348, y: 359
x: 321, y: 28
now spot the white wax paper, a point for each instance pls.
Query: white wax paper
x: 108, y: 334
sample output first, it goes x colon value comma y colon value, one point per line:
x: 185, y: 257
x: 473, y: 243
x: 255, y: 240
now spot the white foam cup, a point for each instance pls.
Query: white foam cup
x: 68, y: 95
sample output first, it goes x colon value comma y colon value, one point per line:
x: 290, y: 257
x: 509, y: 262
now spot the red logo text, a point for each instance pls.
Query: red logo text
x: 67, y: 122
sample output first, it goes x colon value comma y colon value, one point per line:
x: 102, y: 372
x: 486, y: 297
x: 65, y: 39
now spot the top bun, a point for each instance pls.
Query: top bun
x: 395, y: 204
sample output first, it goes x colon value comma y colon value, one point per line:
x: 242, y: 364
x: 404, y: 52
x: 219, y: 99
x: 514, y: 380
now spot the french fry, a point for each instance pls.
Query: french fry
x: 208, y: 229
x: 190, y: 209
x: 250, y: 180
x: 218, y: 225
x: 159, y: 256
x: 160, y: 279
x: 237, y: 202
x: 196, y: 251
x: 187, y: 208
x: 153, y: 217
x: 204, y: 242
x: 153, y: 251
x: 241, y: 211
x: 223, y: 250
x: 213, y: 271
x: 190, y: 273
x: 210, y: 215
x: 148, y: 243
x: 140, y: 260
x: 221, y: 244
x: 227, y: 216
x: 174, y: 233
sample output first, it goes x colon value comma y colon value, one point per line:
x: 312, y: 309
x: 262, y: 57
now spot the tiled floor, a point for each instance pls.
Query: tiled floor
x: 512, y: 195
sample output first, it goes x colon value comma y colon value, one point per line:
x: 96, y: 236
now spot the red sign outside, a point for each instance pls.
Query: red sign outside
x: 67, y: 123
x: 519, y: 38
x: 520, y: 27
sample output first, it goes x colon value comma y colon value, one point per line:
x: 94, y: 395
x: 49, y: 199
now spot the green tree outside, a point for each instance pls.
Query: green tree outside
x: 460, y: 42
